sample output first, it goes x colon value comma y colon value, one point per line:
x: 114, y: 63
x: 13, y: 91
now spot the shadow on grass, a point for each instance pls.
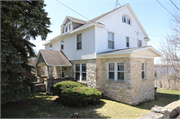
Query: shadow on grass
x: 40, y: 105
x: 162, y: 99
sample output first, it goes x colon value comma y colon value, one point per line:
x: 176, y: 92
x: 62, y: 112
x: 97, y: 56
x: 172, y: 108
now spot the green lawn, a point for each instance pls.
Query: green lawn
x: 40, y: 105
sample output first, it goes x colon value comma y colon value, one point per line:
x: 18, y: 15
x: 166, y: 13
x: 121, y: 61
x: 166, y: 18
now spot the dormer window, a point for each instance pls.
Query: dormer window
x: 67, y: 27
x: 126, y: 19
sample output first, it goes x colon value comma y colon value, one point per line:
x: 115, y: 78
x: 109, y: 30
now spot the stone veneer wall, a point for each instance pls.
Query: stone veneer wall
x: 133, y: 90
x: 68, y: 72
x: 90, y: 71
x: 116, y: 90
x: 142, y: 90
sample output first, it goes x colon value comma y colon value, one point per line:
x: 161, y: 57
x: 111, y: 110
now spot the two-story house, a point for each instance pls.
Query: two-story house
x: 109, y: 52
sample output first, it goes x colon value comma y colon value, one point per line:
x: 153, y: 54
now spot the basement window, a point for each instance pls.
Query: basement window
x: 143, y: 71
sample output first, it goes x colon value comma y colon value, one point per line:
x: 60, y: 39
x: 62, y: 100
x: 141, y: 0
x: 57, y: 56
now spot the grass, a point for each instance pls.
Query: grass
x: 40, y: 105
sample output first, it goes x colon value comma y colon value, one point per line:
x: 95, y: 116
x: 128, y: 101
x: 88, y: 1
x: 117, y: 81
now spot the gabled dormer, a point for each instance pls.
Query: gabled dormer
x: 71, y: 23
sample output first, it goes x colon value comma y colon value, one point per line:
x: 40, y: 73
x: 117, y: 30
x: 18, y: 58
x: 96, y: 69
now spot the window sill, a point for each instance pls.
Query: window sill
x: 143, y: 79
x: 79, y: 50
x: 112, y: 80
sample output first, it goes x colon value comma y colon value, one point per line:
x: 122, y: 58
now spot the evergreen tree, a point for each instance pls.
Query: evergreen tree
x: 20, y: 21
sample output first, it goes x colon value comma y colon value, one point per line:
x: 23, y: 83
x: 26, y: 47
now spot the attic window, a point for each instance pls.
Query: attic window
x: 126, y: 19
x: 67, y: 27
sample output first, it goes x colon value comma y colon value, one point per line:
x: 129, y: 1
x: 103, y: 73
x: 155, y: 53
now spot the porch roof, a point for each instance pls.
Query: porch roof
x: 52, y: 58
x: 130, y: 50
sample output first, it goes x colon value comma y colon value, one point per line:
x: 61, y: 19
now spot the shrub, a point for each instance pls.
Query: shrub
x: 58, y: 87
x: 80, y: 96
x: 75, y: 94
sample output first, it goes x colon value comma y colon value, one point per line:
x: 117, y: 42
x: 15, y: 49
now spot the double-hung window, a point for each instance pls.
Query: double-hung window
x: 77, y: 71
x: 143, y: 71
x: 120, y: 71
x: 110, y: 40
x: 124, y: 18
x: 62, y: 45
x: 127, y: 41
x: 80, y: 72
x: 79, y: 41
x: 111, y: 71
x: 116, y: 71
x: 139, y: 43
x: 83, y: 72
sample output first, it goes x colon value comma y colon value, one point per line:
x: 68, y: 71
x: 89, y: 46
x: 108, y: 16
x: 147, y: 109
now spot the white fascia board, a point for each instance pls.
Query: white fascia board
x: 67, y: 17
x: 114, y: 53
x: 54, y: 39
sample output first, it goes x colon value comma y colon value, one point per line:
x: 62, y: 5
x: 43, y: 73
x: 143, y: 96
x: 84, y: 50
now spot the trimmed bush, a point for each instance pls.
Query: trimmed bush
x: 58, y: 87
x: 75, y: 94
x: 80, y: 96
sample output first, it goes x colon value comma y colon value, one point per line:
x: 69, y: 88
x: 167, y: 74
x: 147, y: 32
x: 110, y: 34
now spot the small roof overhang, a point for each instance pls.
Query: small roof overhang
x: 145, y: 51
x: 52, y: 58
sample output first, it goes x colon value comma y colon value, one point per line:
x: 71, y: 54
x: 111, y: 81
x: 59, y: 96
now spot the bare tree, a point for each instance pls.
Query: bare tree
x: 171, y: 47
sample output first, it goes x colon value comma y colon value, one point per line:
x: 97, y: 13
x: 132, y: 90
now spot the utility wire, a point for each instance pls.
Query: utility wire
x: 167, y: 10
x: 174, y: 5
x: 104, y: 28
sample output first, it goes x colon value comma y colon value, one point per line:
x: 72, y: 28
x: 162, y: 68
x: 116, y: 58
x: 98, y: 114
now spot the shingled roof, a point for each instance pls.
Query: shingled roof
x: 76, y: 19
x: 54, y: 58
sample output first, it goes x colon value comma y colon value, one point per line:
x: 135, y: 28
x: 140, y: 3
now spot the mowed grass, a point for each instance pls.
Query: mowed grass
x: 41, y: 105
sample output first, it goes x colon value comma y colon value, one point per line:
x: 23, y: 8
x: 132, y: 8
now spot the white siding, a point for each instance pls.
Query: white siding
x: 88, y: 45
x: 113, y: 23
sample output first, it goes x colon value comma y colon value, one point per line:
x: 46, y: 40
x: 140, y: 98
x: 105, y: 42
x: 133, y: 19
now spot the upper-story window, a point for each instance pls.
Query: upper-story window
x: 139, y: 43
x: 126, y: 19
x: 110, y: 40
x: 62, y: 45
x: 50, y: 47
x: 79, y: 41
x: 127, y: 41
x: 67, y: 27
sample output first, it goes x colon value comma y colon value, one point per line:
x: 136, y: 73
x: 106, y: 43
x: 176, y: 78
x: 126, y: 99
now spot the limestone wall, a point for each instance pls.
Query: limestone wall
x: 142, y: 90
x: 133, y: 89
x: 90, y: 71
x: 68, y: 72
x: 116, y: 90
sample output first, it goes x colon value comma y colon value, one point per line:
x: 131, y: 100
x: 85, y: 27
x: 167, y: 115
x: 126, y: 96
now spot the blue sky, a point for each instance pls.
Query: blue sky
x: 153, y: 17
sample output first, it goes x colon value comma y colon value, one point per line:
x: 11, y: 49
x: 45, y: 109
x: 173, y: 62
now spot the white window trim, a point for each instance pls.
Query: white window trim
x: 144, y: 71
x: 110, y: 40
x: 80, y: 72
x: 76, y: 42
x: 127, y: 17
x: 67, y: 25
x: 115, y: 72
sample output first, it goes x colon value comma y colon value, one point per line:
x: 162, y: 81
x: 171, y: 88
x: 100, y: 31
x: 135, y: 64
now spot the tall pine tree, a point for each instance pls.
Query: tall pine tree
x: 20, y: 21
